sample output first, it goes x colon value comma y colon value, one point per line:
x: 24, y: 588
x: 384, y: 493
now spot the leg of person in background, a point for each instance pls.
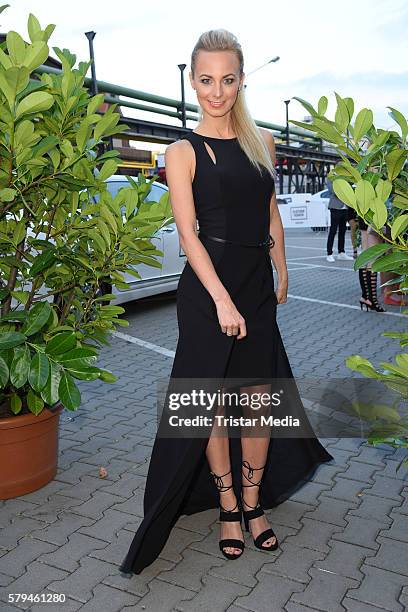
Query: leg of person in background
x: 334, y: 222
x: 342, y: 234
x: 352, y: 219
x: 372, y: 239
x: 353, y: 227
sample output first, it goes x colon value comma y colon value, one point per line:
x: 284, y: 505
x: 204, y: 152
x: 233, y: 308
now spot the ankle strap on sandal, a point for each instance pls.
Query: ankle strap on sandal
x: 251, y: 473
x: 219, y: 483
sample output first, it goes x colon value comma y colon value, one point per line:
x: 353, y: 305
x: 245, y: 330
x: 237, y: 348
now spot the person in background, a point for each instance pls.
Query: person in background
x: 338, y: 219
x: 352, y: 218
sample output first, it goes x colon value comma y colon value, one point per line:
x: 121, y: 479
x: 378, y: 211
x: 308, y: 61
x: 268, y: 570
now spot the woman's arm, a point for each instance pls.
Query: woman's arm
x: 180, y: 168
x: 276, y: 231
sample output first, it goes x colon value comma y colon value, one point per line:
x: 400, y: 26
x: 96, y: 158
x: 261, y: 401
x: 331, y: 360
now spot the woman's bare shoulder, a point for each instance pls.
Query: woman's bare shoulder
x: 270, y: 141
x: 267, y: 135
x: 179, y: 157
x: 180, y: 149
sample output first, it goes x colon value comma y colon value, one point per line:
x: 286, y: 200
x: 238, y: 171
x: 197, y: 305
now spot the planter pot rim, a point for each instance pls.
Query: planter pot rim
x: 28, y: 419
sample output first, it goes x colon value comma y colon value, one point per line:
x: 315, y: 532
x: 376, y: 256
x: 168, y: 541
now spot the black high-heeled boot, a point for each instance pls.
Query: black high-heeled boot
x: 228, y: 515
x: 256, y: 511
x: 372, y: 292
x: 363, y: 278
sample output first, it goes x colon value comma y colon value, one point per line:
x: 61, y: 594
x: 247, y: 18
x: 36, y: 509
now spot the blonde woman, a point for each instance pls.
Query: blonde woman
x: 222, y: 174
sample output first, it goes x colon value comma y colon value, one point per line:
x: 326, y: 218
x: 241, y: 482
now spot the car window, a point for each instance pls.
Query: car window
x: 155, y: 194
x: 114, y: 186
x: 324, y: 194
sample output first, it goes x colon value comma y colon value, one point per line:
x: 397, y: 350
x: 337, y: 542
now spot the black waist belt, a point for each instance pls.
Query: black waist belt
x: 269, y: 242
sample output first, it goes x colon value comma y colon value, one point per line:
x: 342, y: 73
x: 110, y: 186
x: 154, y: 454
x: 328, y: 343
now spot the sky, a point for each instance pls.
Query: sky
x: 357, y: 48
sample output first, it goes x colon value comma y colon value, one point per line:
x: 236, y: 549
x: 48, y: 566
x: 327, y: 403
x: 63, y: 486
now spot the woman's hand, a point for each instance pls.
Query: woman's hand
x: 282, y: 290
x: 231, y: 321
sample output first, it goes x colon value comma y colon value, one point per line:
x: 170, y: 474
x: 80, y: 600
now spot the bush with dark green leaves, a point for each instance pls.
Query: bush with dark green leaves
x: 62, y: 235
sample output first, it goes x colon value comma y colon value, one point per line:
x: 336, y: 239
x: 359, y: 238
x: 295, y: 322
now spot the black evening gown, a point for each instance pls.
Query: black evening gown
x: 232, y: 201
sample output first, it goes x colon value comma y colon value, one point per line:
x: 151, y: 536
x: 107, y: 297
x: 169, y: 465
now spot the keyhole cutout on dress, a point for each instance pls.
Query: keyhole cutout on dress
x: 210, y: 153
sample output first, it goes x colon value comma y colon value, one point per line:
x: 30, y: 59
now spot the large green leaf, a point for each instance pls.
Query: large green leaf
x: 15, y: 403
x: 108, y: 168
x: 362, y: 124
x: 7, y: 194
x: 36, y: 55
x: 42, y: 262
x: 34, y: 103
x: 344, y: 192
x: 342, y: 117
x: 37, y: 318
x: 49, y: 393
x: 380, y: 212
x: 61, y: 343
x: 34, y: 402
x: 68, y: 392
x: 395, y: 161
x: 83, y: 372
x: 383, y: 189
x: 391, y: 262
x: 20, y: 366
x: 309, y: 107
x: 400, y: 119
x: 12, y: 81
x: 399, y: 225
x: 322, y: 105
x: 16, y: 47
x: 107, y: 376
x: 4, y: 373
x: 34, y: 28
x: 77, y: 357
x: 39, y: 371
x: 94, y: 103
x: 11, y: 339
x: 364, y: 195
x: 370, y: 254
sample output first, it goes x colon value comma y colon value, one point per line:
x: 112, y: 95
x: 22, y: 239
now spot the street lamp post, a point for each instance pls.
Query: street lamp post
x: 90, y: 36
x: 183, y: 99
x: 287, y: 102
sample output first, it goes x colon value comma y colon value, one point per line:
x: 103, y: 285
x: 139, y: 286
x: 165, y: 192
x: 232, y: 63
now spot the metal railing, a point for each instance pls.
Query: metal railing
x: 112, y: 93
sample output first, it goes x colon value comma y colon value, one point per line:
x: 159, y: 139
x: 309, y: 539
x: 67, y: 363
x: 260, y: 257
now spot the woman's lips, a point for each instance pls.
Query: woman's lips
x: 216, y: 104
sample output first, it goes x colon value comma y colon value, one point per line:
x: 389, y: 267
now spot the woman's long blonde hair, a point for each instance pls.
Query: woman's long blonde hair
x: 248, y: 135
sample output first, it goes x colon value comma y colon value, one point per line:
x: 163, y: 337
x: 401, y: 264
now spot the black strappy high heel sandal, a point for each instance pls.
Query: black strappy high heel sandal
x: 256, y: 511
x: 228, y: 515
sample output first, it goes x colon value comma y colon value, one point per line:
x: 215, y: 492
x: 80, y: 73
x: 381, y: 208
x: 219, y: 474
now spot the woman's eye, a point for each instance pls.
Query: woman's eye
x: 227, y: 81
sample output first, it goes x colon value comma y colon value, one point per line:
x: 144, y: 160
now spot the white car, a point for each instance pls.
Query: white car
x: 320, y: 202
x: 153, y: 280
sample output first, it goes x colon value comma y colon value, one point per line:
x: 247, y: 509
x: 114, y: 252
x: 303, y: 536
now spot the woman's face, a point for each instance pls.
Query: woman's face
x: 216, y: 81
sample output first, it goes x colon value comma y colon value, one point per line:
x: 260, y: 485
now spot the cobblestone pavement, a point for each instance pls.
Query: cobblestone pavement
x: 343, y: 536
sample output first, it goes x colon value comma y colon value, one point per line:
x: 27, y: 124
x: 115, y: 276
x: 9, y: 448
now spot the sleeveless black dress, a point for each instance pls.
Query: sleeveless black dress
x: 232, y: 202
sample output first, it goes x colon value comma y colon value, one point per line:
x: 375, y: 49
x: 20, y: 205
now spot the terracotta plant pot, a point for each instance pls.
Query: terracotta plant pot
x: 28, y: 451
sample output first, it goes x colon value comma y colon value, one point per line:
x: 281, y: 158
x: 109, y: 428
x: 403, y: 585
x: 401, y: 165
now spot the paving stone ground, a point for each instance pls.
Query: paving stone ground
x: 343, y: 536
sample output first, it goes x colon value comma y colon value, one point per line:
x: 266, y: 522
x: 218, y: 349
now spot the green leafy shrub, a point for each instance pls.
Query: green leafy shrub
x: 62, y: 235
